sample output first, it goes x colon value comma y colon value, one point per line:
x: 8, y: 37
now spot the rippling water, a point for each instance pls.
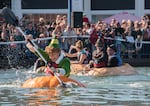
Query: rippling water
x: 101, y: 91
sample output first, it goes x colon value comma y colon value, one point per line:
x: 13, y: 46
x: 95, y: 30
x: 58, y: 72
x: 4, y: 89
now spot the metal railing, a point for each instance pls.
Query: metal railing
x: 21, y: 56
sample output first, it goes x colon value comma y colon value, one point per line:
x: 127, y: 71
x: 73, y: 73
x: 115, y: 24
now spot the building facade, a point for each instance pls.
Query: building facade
x: 94, y: 9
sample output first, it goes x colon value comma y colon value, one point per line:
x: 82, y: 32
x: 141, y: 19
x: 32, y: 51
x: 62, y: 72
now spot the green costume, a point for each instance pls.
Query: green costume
x: 62, y: 63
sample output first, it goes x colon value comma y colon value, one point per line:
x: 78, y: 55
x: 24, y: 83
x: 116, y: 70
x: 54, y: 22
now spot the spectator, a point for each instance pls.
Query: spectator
x: 18, y: 36
x: 30, y: 30
x: 41, y: 21
x: 85, y: 19
x: 118, y: 35
x: 42, y: 43
x: 5, y: 33
x: 68, y: 41
x: 130, y: 43
x: 58, y: 33
x: 137, y: 34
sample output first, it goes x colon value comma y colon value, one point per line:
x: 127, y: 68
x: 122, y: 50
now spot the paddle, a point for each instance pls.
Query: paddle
x: 10, y: 18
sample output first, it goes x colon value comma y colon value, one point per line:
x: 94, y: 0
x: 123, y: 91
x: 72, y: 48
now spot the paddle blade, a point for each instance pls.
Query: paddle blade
x: 9, y: 16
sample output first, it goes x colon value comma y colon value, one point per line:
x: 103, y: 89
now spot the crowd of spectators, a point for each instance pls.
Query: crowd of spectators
x: 127, y: 31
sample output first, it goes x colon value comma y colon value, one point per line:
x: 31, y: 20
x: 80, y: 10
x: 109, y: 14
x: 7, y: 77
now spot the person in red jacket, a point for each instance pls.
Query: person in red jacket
x: 85, y: 19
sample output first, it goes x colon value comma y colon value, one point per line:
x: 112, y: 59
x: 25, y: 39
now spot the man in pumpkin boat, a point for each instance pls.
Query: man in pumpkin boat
x: 99, y: 57
x: 113, y: 58
x: 54, y: 57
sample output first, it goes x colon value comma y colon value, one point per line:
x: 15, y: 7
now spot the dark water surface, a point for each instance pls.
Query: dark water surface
x: 101, y: 91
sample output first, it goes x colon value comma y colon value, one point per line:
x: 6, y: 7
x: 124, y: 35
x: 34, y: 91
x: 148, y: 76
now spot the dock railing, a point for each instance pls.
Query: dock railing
x: 21, y: 56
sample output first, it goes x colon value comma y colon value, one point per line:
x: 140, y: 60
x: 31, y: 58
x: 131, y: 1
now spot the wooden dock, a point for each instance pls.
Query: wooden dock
x: 138, y: 62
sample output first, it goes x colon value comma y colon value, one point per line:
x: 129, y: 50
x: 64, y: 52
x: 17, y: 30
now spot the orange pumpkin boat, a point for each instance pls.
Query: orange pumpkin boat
x: 49, y: 82
x: 125, y: 69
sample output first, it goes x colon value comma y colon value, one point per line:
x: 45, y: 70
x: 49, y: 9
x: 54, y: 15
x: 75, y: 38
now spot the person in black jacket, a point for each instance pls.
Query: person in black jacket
x: 113, y: 59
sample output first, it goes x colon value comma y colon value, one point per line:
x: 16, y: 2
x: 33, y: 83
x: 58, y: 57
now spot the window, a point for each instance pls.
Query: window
x: 147, y: 4
x: 112, y: 4
x: 5, y: 3
x: 44, y: 4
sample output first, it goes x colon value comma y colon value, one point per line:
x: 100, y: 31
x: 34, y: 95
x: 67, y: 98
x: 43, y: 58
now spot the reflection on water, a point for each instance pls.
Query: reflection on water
x: 114, y: 90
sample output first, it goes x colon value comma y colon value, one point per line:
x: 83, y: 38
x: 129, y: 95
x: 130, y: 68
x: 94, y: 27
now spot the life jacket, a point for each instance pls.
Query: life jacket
x: 101, y: 61
x: 99, y: 65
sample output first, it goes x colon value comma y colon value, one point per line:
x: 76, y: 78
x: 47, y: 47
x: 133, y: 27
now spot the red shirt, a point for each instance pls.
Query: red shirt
x: 85, y: 19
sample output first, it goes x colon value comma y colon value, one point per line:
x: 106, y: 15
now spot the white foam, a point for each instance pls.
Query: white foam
x: 8, y: 86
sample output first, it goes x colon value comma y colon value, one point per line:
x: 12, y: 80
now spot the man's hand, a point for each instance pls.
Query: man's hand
x: 29, y: 45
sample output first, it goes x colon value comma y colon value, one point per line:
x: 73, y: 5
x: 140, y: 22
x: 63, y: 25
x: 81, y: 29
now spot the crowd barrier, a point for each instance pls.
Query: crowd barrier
x: 76, y: 36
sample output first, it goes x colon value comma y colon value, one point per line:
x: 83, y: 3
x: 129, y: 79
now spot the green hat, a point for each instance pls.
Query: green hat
x: 54, y: 43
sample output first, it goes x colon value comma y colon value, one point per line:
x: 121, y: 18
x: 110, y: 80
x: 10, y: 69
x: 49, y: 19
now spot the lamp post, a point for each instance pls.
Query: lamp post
x: 69, y: 11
